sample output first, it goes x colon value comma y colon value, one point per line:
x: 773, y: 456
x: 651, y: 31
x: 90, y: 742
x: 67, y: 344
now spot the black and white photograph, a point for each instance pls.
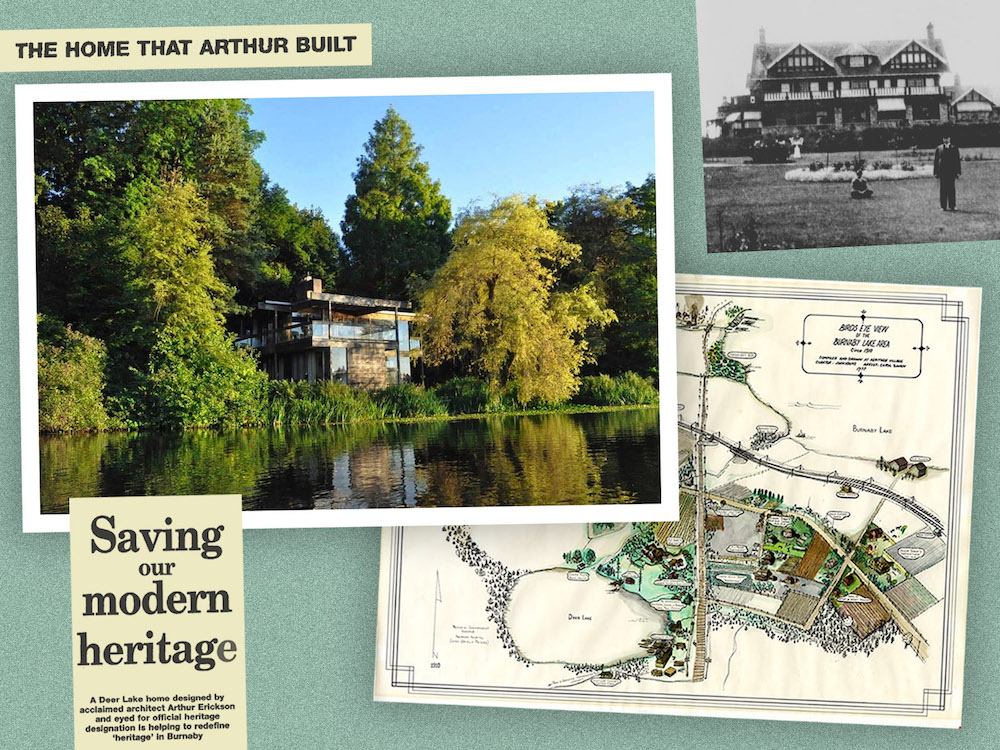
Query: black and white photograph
x: 849, y: 124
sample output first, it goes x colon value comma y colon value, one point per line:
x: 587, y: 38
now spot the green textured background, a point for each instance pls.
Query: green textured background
x: 310, y: 594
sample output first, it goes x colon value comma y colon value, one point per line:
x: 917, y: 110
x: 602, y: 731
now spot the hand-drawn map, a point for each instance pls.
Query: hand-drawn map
x: 818, y: 567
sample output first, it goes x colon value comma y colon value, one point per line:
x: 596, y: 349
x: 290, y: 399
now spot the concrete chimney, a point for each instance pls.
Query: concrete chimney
x: 307, y: 286
x: 958, y: 82
x: 930, y: 33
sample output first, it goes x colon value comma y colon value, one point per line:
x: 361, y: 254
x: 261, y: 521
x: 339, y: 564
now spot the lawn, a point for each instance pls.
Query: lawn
x: 757, y: 201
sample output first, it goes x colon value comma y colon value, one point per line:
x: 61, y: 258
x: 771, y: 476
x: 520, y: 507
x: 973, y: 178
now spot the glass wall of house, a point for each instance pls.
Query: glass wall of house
x: 337, y: 367
x: 404, y: 367
x: 340, y: 326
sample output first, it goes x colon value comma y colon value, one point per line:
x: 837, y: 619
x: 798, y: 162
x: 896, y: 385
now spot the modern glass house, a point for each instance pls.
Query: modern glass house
x: 361, y: 341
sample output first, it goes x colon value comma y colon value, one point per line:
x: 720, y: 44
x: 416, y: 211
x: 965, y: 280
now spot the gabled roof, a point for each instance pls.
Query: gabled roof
x: 938, y: 53
x: 991, y: 95
x: 768, y: 54
x: 807, y: 48
x: 856, y: 49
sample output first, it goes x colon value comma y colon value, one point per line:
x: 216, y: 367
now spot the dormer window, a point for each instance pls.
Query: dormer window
x: 857, y: 61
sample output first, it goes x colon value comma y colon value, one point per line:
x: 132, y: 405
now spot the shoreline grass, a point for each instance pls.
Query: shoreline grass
x: 326, y: 404
x: 564, y: 409
x: 568, y: 409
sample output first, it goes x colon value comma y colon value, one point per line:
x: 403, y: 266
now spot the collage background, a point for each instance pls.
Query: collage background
x: 311, y: 594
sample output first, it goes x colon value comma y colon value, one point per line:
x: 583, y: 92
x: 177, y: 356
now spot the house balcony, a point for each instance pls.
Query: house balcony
x: 802, y: 96
x: 788, y: 96
x: 319, y: 333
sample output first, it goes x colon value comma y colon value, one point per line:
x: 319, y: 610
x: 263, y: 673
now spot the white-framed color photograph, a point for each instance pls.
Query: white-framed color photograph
x: 353, y: 302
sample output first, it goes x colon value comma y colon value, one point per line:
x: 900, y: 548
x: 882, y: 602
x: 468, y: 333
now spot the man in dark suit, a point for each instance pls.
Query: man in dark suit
x: 947, y: 169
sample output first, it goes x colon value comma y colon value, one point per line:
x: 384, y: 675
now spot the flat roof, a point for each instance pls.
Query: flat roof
x: 347, y: 303
x: 350, y: 300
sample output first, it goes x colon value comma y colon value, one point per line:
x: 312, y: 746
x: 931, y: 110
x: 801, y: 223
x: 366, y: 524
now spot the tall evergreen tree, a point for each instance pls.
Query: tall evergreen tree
x: 194, y: 375
x: 396, y: 224
x: 96, y: 163
x: 144, y: 231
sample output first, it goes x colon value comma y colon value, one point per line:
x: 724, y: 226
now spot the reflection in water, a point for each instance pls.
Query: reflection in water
x: 536, y: 460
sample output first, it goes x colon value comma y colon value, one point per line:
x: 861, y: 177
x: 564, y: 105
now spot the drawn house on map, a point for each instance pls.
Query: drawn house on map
x: 897, y: 465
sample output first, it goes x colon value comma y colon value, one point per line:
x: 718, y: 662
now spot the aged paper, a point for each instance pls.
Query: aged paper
x: 158, y: 633
x: 818, y: 569
x: 171, y: 48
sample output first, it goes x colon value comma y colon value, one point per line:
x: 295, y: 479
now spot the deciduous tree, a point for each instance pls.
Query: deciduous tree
x: 148, y: 218
x: 616, y: 231
x: 493, y: 309
x: 194, y: 375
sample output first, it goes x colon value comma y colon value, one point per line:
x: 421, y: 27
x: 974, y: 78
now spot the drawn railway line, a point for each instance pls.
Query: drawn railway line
x: 907, y: 503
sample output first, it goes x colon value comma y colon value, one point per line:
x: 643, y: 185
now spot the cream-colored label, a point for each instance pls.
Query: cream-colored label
x: 158, y: 634
x: 172, y: 47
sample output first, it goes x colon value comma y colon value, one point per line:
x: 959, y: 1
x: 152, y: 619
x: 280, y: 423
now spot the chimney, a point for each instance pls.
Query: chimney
x: 930, y: 33
x: 763, y: 36
x: 958, y: 82
x: 308, y: 284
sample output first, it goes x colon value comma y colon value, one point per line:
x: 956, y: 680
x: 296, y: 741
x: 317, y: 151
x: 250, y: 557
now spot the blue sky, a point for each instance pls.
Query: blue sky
x: 477, y: 146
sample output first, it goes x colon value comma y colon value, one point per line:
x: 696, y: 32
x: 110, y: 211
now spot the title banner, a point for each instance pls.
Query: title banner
x: 317, y: 45
x: 158, y: 633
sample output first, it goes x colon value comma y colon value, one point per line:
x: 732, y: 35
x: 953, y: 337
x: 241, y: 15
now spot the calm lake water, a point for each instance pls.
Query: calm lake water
x: 551, y: 459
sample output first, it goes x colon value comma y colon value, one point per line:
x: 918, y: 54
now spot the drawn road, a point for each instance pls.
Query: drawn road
x: 908, y: 503
x: 913, y: 637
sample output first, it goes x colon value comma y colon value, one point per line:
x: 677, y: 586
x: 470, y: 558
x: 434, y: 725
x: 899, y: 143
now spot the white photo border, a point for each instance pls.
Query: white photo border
x: 659, y: 84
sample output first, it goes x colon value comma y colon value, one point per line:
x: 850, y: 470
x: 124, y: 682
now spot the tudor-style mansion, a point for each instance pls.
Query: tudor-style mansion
x: 818, y: 85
